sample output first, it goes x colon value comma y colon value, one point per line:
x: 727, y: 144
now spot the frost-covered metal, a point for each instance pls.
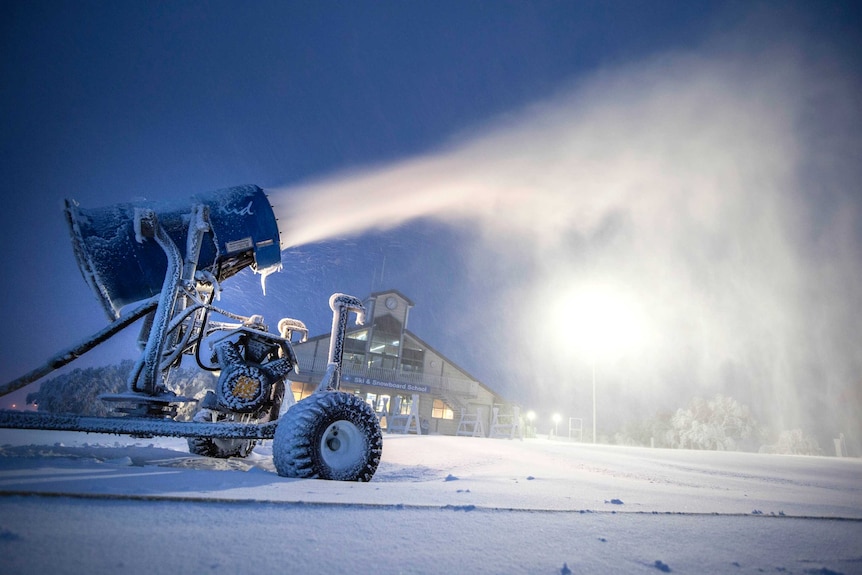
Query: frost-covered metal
x: 239, y: 230
x: 341, y: 306
x: 251, y: 363
x: 170, y: 260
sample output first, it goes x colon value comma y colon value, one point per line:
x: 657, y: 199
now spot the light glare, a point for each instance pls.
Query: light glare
x: 600, y: 320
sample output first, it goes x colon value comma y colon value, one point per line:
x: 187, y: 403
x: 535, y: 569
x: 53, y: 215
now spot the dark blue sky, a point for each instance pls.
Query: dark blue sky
x: 107, y: 102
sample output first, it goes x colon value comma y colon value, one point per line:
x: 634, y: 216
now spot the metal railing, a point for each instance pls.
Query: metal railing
x: 313, y: 366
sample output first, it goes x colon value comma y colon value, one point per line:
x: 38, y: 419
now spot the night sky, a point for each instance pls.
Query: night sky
x: 110, y: 102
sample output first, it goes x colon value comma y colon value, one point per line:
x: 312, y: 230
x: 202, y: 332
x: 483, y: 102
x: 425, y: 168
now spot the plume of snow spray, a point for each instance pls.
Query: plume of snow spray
x: 696, y: 185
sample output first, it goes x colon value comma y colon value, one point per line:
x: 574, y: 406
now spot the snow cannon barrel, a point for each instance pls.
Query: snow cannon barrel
x: 122, y: 267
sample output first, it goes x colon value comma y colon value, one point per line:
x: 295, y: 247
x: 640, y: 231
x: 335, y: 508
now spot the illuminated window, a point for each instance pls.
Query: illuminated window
x: 406, y: 404
x: 412, y: 358
x: 301, y: 390
x: 441, y: 411
x: 355, y: 342
x: 386, y: 337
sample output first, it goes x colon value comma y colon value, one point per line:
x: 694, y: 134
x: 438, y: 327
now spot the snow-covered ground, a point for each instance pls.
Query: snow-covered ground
x: 86, y: 503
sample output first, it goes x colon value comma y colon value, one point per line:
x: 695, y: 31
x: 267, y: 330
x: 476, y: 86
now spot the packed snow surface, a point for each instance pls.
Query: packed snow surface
x: 88, y: 503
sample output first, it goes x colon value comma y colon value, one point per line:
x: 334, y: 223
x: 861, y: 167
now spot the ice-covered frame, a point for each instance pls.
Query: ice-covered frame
x: 220, y: 233
x: 199, y: 244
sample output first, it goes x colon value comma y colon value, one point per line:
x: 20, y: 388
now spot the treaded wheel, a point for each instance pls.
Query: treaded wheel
x: 219, y: 448
x: 328, y: 435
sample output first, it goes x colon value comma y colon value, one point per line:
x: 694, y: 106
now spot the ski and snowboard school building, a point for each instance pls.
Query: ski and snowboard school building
x: 412, y: 387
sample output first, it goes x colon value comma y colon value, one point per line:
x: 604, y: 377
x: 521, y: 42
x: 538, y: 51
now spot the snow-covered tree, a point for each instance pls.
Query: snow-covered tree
x: 720, y: 423
x: 192, y: 383
x: 648, y: 432
x: 794, y: 442
x: 78, y: 391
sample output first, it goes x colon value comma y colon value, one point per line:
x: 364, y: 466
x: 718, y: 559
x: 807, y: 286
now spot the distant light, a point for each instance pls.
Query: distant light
x: 531, y: 415
x: 557, y: 418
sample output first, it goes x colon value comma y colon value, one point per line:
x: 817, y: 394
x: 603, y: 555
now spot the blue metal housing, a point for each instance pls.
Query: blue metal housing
x: 123, y: 268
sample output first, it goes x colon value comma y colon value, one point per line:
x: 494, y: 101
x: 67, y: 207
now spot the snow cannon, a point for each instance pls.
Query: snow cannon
x: 122, y: 268
x: 163, y: 264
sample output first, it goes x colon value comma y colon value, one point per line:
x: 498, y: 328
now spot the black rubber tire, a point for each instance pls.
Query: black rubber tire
x: 218, y: 448
x: 328, y: 435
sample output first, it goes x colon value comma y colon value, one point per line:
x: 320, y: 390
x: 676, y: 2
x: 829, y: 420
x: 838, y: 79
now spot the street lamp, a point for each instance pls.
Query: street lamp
x: 602, y: 320
x: 556, y: 419
x: 594, y: 396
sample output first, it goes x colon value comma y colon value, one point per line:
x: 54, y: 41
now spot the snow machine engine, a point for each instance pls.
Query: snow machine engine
x: 251, y: 363
x: 163, y: 264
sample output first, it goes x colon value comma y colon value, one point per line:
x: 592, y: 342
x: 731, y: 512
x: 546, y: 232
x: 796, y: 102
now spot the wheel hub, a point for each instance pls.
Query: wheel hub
x: 342, y: 446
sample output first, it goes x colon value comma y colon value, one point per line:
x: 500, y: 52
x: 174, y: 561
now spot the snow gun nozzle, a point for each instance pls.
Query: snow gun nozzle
x: 121, y: 249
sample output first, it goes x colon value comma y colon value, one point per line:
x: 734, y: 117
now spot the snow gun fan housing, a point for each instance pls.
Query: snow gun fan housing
x: 122, y: 268
x: 169, y: 259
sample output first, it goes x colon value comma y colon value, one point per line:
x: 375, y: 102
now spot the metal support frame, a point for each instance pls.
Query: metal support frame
x: 145, y: 378
x: 136, y: 426
x: 341, y: 306
x: 174, y: 308
x: 175, y: 322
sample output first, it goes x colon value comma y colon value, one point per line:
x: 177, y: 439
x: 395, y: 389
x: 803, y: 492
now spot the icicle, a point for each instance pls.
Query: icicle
x: 265, y: 273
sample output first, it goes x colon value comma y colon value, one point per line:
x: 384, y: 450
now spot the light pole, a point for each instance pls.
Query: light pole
x: 602, y: 321
x: 594, y: 398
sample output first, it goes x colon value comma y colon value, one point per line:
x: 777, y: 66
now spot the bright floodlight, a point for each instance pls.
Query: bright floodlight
x: 601, y: 321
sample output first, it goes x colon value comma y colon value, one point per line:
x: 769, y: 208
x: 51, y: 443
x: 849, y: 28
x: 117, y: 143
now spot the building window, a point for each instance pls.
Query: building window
x: 386, y: 336
x: 396, y: 404
x: 412, y: 359
x: 355, y: 342
x: 381, y: 361
x: 355, y: 360
x: 441, y: 411
x: 301, y: 390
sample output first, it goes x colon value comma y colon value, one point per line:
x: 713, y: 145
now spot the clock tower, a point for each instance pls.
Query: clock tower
x: 391, y: 303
